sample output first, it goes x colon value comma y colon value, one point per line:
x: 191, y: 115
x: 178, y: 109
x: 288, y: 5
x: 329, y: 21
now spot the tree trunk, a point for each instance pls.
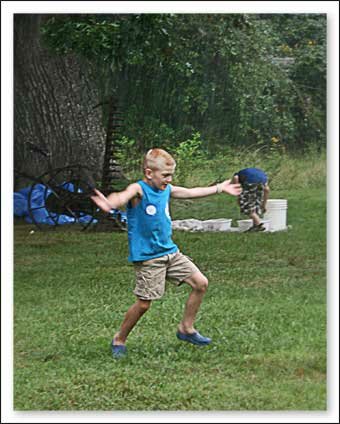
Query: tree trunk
x: 54, y: 99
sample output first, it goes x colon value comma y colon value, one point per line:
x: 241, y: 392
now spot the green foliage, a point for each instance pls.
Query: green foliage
x: 303, y: 37
x: 218, y: 74
x: 195, y: 167
x: 285, y: 171
x: 152, y: 132
x: 128, y: 156
x: 304, y: 171
x: 189, y: 157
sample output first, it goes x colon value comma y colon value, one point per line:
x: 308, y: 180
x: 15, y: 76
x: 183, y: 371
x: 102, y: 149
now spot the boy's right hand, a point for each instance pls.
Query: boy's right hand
x: 101, y: 201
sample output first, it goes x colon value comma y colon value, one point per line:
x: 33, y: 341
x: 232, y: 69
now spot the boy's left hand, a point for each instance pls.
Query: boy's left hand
x: 229, y: 188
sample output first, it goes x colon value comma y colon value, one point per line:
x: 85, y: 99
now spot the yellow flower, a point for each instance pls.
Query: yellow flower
x: 285, y: 48
x: 275, y: 139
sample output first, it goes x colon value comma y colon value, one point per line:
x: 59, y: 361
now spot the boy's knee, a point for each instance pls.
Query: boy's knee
x: 144, y: 305
x: 201, y: 283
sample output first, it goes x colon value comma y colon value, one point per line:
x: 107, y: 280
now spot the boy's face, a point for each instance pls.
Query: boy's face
x: 160, y: 178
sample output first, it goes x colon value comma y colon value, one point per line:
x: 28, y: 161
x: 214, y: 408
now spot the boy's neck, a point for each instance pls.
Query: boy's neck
x: 150, y: 183
x: 147, y: 181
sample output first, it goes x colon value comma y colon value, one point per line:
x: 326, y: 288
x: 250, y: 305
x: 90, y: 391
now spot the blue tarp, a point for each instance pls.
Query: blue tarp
x: 40, y: 213
x: 37, y: 206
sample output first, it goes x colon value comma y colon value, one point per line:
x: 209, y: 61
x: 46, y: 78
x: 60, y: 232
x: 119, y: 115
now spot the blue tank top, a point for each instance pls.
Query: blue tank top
x: 252, y: 176
x: 149, y: 225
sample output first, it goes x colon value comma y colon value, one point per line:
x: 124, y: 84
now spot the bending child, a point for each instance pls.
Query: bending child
x: 254, y: 195
x: 151, y: 250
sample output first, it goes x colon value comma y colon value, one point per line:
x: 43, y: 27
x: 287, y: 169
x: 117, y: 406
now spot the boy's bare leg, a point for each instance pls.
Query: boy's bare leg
x: 199, y: 284
x: 132, y: 316
x: 256, y: 219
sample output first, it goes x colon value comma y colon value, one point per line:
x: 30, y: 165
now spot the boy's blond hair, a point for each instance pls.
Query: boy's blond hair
x: 158, y: 159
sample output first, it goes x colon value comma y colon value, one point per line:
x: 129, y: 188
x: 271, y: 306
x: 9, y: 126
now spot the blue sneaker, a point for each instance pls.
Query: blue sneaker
x: 118, y: 351
x: 194, y: 338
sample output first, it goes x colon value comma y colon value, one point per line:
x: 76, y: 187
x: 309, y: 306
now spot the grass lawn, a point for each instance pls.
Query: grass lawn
x: 265, y: 310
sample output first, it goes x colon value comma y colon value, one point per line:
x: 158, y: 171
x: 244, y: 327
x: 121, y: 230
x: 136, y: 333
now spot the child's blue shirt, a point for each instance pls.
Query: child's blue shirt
x: 149, y: 225
x: 252, y: 176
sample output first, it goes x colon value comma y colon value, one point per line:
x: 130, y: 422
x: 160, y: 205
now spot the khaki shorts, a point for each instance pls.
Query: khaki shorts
x: 151, y: 274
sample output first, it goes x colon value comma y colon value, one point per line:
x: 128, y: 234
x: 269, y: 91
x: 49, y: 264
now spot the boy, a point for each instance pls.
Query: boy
x: 154, y: 255
x: 254, y: 196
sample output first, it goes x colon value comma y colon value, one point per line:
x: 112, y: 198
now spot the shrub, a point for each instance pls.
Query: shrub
x: 189, y: 156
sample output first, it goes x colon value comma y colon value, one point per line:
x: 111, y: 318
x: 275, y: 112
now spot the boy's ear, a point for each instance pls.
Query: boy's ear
x: 148, y: 173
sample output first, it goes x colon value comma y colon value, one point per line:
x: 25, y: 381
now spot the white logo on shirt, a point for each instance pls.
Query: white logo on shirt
x: 151, y: 210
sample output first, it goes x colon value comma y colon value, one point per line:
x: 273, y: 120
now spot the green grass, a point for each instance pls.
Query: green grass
x: 265, y: 310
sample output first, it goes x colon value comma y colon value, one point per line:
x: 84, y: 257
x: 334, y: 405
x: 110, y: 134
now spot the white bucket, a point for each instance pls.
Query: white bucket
x: 220, y: 224
x: 277, y: 214
x: 244, y: 224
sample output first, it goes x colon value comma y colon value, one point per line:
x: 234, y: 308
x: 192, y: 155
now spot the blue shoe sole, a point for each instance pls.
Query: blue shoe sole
x: 195, y: 338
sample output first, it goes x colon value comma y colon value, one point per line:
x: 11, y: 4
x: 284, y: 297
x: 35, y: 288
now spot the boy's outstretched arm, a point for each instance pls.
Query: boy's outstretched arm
x: 117, y: 199
x: 191, y: 193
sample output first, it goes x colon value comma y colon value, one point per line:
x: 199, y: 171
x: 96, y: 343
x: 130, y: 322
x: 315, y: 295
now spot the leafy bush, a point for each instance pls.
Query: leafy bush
x: 128, y: 156
x: 189, y: 156
x: 285, y: 171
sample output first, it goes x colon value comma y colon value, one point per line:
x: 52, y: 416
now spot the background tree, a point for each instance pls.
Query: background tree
x: 54, y: 98
x: 218, y: 74
x: 235, y: 79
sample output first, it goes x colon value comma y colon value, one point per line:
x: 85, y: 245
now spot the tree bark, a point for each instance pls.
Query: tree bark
x: 54, y: 99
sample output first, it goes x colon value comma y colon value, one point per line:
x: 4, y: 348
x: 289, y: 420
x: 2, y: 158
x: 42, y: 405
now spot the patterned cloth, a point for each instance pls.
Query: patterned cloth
x: 251, y: 198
